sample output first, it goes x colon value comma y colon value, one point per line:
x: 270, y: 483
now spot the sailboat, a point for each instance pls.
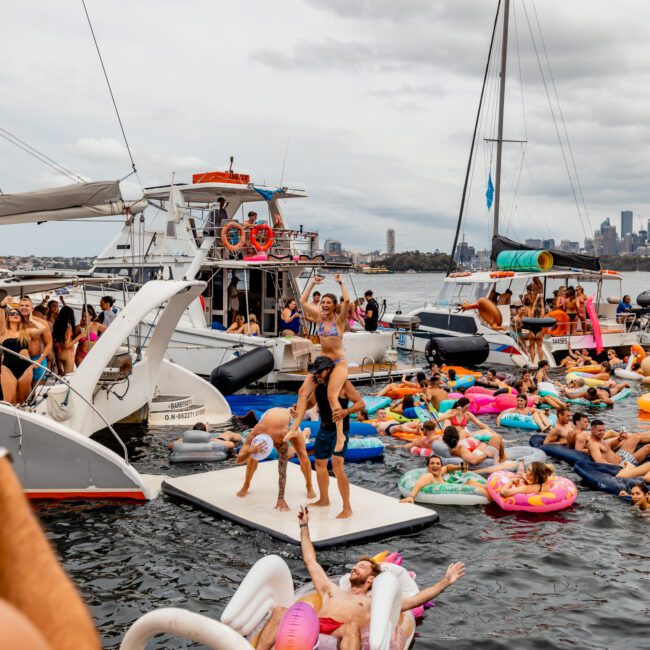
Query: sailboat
x: 493, y: 333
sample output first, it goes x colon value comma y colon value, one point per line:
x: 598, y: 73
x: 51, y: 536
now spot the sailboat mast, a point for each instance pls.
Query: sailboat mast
x: 502, y: 96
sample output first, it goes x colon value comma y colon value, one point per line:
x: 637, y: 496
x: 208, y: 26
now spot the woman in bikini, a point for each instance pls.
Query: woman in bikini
x: 572, y: 309
x: 63, y: 333
x: 236, y: 325
x: 251, y: 328
x: 16, y: 374
x: 534, y: 479
x: 331, y: 323
x: 539, y: 417
x: 459, y: 415
x: 581, y: 308
x: 90, y: 330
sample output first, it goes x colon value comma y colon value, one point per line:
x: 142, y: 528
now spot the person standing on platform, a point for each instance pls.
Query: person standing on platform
x: 371, y: 319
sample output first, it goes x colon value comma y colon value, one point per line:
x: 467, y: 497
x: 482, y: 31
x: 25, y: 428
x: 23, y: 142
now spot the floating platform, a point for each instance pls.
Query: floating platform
x: 375, y: 515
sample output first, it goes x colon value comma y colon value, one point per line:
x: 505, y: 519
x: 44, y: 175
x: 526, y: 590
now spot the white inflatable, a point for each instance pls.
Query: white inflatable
x: 627, y: 372
x: 268, y: 584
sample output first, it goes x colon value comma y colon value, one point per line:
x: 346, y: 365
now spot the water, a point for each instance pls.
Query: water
x: 574, y: 579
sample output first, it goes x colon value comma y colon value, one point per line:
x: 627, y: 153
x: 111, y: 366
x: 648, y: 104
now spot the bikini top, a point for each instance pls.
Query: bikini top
x: 92, y: 337
x: 470, y: 443
x: 457, y: 422
x: 332, y: 330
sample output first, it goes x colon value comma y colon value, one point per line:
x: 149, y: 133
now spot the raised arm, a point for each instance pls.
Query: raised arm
x: 305, y: 395
x: 454, y: 573
x: 307, y: 308
x: 345, y: 305
x: 319, y: 578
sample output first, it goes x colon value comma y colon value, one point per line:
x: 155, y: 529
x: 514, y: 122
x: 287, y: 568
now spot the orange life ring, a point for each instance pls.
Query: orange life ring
x: 462, y: 274
x: 269, y: 237
x: 226, y: 240
x: 502, y: 274
x: 638, y: 352
x: 562, y: 328
x: 609, y: 272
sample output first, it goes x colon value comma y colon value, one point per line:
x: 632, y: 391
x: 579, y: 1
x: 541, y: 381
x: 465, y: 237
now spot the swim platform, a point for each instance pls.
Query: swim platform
x: 375, y: 515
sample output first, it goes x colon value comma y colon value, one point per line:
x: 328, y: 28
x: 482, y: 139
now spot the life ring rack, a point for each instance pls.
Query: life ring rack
x: 226, y: 236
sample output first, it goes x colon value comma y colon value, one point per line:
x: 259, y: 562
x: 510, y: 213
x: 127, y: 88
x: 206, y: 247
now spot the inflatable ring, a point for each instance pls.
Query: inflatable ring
x: 562, y: 328
x: 502, y: 274
x: 638, y: 352
x: 561, y: 493
x: 227, y: 233
x: 462, y: 274
x: 536, y: 325
x: 453, y: 491
x: 520, y: 421
x: 262, y: 227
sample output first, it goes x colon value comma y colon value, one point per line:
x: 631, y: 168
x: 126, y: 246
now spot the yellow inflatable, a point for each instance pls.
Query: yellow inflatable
x: 644, y: 402
x: 589, y: 381
x: 645, y: 367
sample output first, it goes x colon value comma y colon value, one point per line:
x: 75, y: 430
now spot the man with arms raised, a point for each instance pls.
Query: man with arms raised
x: 326, y: 446
x: 345, y: 614
x: 274, y: 423
x: 40, y: 345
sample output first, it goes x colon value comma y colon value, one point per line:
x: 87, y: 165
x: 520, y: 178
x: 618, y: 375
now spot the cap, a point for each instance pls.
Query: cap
x: 320, y: 364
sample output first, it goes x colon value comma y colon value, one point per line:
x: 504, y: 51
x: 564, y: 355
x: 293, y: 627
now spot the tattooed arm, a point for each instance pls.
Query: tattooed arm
x: 282, y: 476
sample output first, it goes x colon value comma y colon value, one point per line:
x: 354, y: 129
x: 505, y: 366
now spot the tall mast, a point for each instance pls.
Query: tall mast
x: 502, y: 95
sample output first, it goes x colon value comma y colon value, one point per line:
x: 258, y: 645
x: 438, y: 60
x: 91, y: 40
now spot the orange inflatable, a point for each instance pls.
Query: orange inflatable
x: 488, y: 312
x: 638, y: 352
x: 562, y: 327
x: 397, y: 393
x: 461, y: 372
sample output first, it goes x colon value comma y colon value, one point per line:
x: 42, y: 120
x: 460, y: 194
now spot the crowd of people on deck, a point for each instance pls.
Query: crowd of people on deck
x: 359, y: 314
x: 46, y: 333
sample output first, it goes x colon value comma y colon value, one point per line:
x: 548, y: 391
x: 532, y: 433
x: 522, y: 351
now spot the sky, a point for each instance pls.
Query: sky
x: 372, y: 101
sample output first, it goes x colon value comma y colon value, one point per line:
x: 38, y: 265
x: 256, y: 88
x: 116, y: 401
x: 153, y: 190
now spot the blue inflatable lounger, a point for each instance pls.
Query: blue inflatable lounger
x: 375, y: 515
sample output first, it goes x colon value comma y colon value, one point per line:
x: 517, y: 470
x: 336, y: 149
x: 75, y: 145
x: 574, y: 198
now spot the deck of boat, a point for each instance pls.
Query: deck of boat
x: 361, y: 373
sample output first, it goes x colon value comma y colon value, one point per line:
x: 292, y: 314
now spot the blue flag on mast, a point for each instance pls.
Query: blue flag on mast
x: 489, y: 194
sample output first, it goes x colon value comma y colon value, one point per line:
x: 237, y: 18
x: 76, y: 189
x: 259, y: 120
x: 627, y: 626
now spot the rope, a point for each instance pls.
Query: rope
x: 40, y: 156
x: 110, y: 90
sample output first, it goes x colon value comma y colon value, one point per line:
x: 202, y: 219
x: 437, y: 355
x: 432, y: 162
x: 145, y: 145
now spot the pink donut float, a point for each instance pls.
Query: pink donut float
x: 561, y: 493
x: 298, y: 629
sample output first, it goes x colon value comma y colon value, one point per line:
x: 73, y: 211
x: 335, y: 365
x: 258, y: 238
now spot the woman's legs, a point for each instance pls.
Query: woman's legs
x: 539, y: 340
x: 24, y: 385
x: 337, y: 379
x: 9, y: 385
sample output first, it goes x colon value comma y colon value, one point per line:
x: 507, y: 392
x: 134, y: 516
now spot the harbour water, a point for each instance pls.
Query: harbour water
x: 574, y: 579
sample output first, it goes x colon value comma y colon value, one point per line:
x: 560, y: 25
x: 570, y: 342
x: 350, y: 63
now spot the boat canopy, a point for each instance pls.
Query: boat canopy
x: 77, y: 201
x: 560, y: 258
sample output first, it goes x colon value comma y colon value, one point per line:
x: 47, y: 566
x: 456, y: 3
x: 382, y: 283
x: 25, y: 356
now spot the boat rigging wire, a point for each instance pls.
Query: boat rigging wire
x: 469, y: 162
x: 110, y: 90
x: 40, y: 156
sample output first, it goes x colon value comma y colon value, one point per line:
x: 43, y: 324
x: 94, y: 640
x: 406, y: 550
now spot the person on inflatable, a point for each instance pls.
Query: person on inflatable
x: 613, y: 360
x: 471, y: 450
x: 435, y: 471
x: 604, y: 394
x: 641, y: 471
x: 326, y: 439
x: 228, y: 439
x: 459, y: 416
x: 390, y: 389
x: 559, y: 434
x: 431, y: 433
x: 533, y: 394
x: 490, y: 380
x: 575, y: 358
x: 434, y: 394
x: 628, y: 452
x: 387, y: 427
x: 531, y: 480
x: 275, y: 423
x: 538, y: 416
x: 345, y: 615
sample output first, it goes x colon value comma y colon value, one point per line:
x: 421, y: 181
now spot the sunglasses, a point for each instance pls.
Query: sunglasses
x: 15, y: 313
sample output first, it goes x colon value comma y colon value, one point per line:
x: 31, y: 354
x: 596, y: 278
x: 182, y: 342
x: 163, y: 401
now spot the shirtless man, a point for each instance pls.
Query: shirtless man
x: 430, y: 433
x: 345, y: 614
x: 387, y: 427
x: 627, y: 452
x: 579, y: 436
x: 40, y: 346
x: 559, y: 434
x: 490, y: 380
x: 435, y: 394
x: 275, y: 423
x: 228, y: 439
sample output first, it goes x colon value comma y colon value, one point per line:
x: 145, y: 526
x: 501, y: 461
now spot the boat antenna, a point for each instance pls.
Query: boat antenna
x: 110, y: 90
x: 471, y: 151
x: 232, y: 160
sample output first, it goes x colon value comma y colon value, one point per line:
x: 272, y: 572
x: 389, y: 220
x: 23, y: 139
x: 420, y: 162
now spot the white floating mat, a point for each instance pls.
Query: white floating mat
x: 374, y: 515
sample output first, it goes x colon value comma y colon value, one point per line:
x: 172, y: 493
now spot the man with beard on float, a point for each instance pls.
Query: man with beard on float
x: 346, y: 614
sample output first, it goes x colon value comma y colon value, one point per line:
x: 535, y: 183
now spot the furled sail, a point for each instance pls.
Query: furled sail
x: 561, y: 258
x: 77, y: 201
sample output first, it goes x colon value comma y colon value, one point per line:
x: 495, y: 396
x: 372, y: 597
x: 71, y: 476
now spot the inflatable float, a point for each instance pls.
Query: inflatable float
x: 196, y: 447
x: 589, y: 379
x: 356, y: 428
x: 559, y: 452
x: 520, y: 421
x: 525, y: 453
x: 601, y: 476
x: 453, y: 491
x: 561, y: 494
x: 269, y: 584
x: 359, y: 450
x: 644, y: 402
x: 461, y: 372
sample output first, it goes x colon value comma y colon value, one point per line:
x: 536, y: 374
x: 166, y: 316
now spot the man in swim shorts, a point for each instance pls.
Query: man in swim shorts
x: 40, y: 345
x: 626, y: 448
x: 274, y: 423
x: 345, y: 615
x: 325, y: 443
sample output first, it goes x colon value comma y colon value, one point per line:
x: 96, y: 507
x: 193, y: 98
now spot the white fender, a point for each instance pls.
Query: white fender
x: 385, y: 610
x: 268, y: 584
x: 627, y: 374
x: 181, y: 623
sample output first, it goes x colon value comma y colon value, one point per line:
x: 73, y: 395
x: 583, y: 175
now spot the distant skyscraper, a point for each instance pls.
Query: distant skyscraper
x: 627, y: 216
x: 390, y: 242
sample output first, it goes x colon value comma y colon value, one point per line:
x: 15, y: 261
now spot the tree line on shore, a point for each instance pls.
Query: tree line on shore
x: 416, y: 261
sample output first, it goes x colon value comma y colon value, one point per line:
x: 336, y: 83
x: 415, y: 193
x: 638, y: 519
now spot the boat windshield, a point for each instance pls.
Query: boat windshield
x: 456, y: 293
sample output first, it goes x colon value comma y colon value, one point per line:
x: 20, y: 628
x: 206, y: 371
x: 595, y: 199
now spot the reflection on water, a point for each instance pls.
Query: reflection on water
x: 574, y: 579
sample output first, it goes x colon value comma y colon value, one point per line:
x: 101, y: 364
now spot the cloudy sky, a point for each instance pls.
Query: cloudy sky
x: 376, y: 98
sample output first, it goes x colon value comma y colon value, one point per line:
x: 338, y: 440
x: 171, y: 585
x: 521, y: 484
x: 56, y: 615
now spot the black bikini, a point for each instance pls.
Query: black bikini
x: 17, y: 366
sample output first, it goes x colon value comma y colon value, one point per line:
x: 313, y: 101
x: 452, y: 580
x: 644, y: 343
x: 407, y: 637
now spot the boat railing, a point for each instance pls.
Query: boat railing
x: 40, y: 390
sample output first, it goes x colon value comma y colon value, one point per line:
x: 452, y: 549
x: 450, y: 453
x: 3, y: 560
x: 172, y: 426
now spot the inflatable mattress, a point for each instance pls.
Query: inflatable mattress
x: 559, y: 452
x: 601, y: 476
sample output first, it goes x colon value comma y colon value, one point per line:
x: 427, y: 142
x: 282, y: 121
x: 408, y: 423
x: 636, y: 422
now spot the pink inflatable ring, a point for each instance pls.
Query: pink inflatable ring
x: 561, y: 494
